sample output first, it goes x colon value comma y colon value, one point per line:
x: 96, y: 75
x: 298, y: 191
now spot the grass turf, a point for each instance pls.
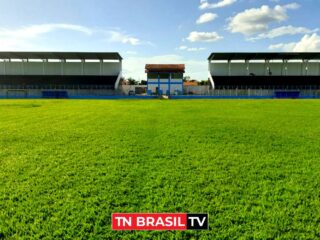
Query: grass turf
x: 65, y: 166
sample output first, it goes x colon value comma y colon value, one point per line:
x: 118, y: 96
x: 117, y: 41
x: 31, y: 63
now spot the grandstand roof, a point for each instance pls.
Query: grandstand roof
x: 165, y: 68
x: 61, y: 55
x: 265, y: 56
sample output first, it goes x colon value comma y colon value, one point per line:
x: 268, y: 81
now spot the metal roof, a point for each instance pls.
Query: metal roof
x: 61, y: 55
x: 265, y: 56
x: 165, y: 68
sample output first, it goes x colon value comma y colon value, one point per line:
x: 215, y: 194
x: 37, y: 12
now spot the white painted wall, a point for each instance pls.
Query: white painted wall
x: 72, y: 68
x: 111, y: 68
x: 53, y: 68
x: 294, y: 69
x: 219, y: 69
x: 2, y: 68
x: 176, y: 80
x: 152, y: 87
x: 14, y: 68
x: 258, y: 69
x: 313, y: 69
x: 275, y: 69
x: 176, y: 87
x: 164, y: 80
x: 153, y: 80
x: 60, y: 68
x: 261, y: 69
x: 164, y: 88
x: 91, y: 68
x: 238, y: 69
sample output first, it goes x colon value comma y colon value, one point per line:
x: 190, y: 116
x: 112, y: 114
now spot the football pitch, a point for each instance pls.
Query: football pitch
x: 253, y: 166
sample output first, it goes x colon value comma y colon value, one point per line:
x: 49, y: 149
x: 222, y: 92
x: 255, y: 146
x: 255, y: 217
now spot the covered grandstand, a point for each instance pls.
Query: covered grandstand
x: 27, y: 72
x: 285, y: 71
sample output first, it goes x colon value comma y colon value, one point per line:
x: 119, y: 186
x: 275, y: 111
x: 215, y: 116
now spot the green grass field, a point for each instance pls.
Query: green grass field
x: 254, y: 166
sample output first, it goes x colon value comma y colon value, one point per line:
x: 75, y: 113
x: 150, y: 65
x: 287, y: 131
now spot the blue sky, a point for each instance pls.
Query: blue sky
x: 160, y: 31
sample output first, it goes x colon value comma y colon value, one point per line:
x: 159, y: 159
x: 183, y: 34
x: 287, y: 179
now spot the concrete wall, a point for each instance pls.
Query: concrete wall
x: 313, y: 69
x: 60, y: 68
x: 123, y: 90
x: 258, y: 69
x: 152, y: 87
x: 173, y: 80
x: 73, y: 93
x: 175, y: 85
x: 165, y: 87
x: 274, y: 68
x: 238, y: 69
x: 219, y: 69
x: 54, y: 68
x: 176, y: 88
x: 197, y: 90
x: 294, y: 69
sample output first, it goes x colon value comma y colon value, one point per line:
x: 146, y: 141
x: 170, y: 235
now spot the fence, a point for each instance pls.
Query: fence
x: 204, y: 92
x: 139, y: 91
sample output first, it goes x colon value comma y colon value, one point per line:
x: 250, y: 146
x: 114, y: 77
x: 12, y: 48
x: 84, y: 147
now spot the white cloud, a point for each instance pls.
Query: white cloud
x: 292, y: 6
x: 183, y: 48
x: 131, y: 52
x: 257, y: 20
x: 25, y: 38
x: 190, y: 49
x: 282, y: 31
x: 134, y: 66
x: 309, y: 43
x: 204, y: 4
x: 206, y: 17
x: 204, y: 37
x: 30, y: 38
x: 36, y: 30
x: 286, y: 47
x: 116, y: 36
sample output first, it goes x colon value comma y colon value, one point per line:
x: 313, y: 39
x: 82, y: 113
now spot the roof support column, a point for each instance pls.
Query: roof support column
x: 4, y: 66
x: 23, y: 67
x: 306, y: 67
x: 44, y: 66
x: 102, y: 71
x: 229, y: 68
x: 248, y: 67
x: 101, y: 61
x: 285, y: 64
x: 82, y: 66
x: 267, y: 67
x: 62, y: 66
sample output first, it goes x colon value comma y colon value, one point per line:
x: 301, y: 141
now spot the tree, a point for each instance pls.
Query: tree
x: 186, y: 79
x: 122, y: 81
x: 132, y: 81
x: 143, y: 82
x: 204, y: 83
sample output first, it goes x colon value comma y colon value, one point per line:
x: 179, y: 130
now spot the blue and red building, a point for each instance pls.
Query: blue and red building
x: 165, y: 79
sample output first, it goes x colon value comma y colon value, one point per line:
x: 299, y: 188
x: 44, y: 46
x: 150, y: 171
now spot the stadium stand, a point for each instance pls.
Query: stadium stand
x: 265, y: 70
x: 60, y: 70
